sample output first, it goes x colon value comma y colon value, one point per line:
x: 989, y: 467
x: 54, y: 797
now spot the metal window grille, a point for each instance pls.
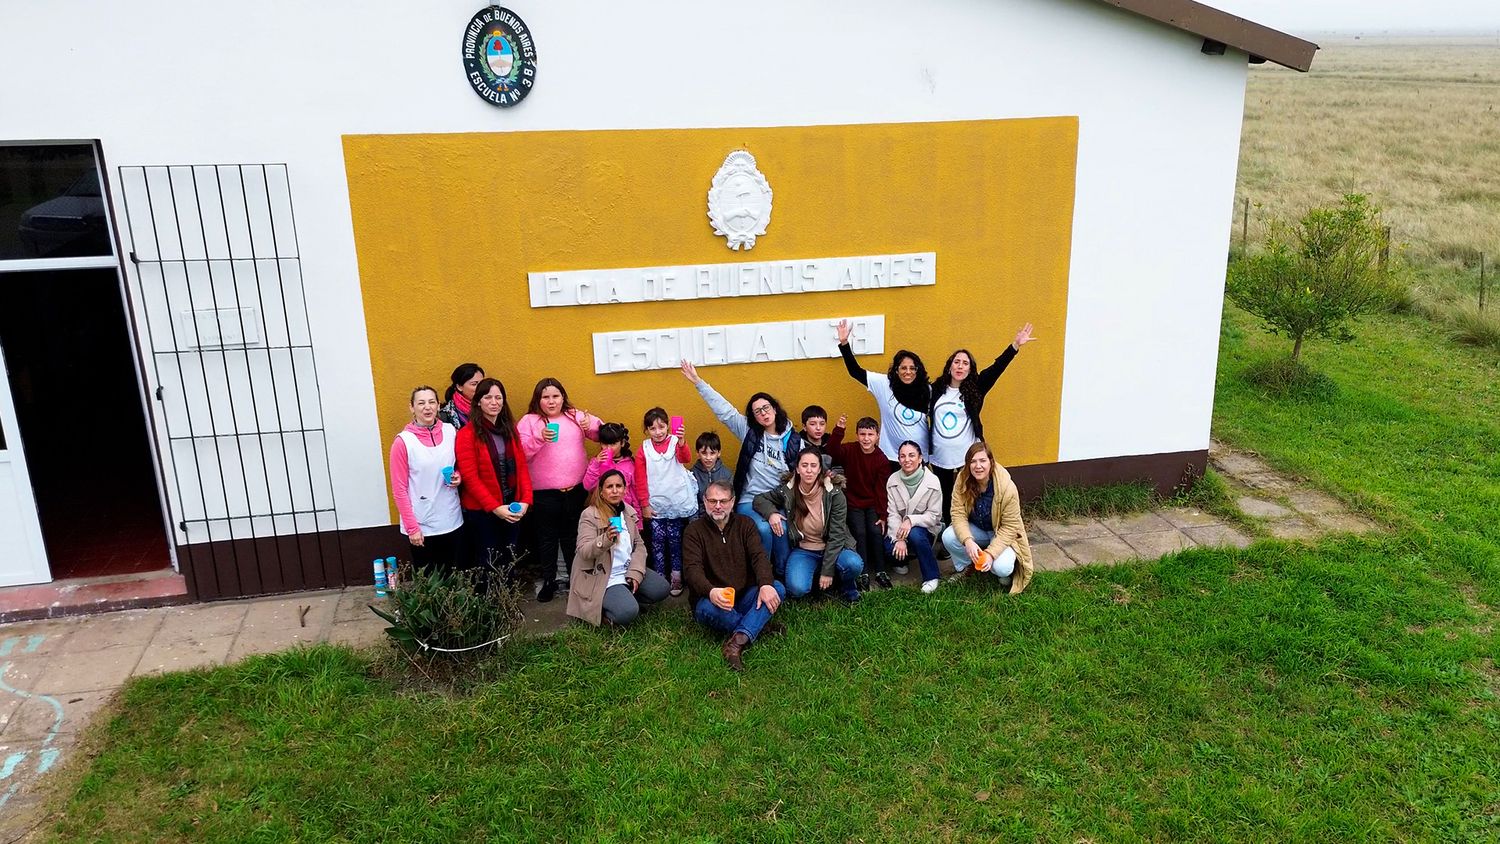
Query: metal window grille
x: 216, y: 256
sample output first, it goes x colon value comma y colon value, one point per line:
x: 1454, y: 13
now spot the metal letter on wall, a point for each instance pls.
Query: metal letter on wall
x: 230, y: 351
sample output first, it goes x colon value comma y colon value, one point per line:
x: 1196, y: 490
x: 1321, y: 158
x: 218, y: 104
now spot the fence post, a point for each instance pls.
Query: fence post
x: 1481, y: 282
x: 1385, y: 248
x: 1245, y: 227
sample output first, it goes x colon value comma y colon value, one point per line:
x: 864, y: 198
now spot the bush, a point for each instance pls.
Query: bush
x: 1471, y: 326
x: 1291, y: 378
x: 452, y: 614
x: 1316, y: 276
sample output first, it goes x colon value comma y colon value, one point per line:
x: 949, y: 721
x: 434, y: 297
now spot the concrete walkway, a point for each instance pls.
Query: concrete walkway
x: 56, y: 674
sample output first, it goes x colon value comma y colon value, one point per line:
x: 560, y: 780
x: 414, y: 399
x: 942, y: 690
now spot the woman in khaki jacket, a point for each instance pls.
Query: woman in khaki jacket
x: 610, y: 581
x: 987, y: 530
x: 914, y: 509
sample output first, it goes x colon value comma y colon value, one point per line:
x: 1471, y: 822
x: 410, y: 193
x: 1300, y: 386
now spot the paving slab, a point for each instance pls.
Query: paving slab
x: 1267, y: 482
x: 1260, y: 508
x: 1098, y: 549
x: 1148, y: 522
x: 1293, y: 528
x: 1238, y: 463
x: 90, y: 671
x: 163, y: 656
x: 1186, y: 517
x: 36, y: 717
x: 1076, y: 528
x: 135, y: 627
x: 1345, y: 523
x: 1047, y: 556
x: 266, y: 640
x: 285, y: 614
x: 36, y: 637
x: 197, y: 622
x: 358, y: 634
x: 1158, y: 544
x: 354, y: 605
x: 1313, y: 503
x: 1218, y: 536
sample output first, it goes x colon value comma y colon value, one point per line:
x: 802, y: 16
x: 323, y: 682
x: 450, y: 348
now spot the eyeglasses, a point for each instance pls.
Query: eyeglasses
x: 719, y: 501
x: 762, y: 410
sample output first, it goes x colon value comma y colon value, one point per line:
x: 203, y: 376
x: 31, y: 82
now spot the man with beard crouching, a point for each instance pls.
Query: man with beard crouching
x: 728, y: 574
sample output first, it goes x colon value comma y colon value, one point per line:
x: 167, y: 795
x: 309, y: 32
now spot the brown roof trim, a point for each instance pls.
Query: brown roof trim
x: 1261, y: 42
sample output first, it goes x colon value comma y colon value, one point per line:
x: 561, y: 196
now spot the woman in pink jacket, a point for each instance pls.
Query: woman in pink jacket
x: 553, y: 432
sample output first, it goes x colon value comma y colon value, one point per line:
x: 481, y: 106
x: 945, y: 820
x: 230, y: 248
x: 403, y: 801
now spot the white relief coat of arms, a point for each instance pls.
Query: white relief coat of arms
x: 739, y: 201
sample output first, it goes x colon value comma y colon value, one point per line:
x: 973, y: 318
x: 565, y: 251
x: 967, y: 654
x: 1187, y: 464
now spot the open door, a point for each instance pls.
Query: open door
x: 22, y: 559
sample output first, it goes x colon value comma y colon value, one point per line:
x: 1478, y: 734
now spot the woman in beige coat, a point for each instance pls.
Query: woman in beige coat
x: 914, y: 510
x: 987, y: 529
x: 610, y: 581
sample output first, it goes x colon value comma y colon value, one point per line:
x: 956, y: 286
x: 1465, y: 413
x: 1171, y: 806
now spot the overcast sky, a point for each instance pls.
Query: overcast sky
x: 1367, y: 15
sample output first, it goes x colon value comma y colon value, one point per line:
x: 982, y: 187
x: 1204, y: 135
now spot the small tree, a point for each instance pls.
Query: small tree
x: 1317, y: 275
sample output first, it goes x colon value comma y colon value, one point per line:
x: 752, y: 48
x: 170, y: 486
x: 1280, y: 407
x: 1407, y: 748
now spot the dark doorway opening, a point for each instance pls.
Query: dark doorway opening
x: 70, y: 360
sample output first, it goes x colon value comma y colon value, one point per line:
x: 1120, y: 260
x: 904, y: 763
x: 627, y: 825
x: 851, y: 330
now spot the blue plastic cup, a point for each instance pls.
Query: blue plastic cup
x: 448, y: 475
x: 515, y: 506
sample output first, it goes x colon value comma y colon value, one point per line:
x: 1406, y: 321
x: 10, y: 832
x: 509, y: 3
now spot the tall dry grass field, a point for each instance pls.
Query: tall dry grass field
x: 1413, y: 124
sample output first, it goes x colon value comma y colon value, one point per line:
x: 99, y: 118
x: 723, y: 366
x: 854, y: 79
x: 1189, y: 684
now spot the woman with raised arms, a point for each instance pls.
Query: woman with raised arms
x: 769, y: 446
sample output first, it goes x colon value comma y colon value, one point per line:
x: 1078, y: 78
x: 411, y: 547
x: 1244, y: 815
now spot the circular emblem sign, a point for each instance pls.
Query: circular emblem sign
x: 499, y: 56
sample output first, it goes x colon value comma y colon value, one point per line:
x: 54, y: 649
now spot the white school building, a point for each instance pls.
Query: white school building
x: 234, y: 237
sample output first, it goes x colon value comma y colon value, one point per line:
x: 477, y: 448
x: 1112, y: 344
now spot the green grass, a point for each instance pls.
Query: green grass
x: 1340, y: 692
x: 1065, y: 502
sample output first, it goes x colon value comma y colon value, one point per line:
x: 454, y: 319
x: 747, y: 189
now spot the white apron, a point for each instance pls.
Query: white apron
x: 674, y: 493
x: 433, y: 502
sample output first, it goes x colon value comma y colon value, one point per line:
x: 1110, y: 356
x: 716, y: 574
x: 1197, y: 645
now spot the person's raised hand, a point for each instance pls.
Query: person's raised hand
x: 690, y: 372
x: 843, y: 421
x: 768, y: 598
x: 1023, y: 337
x: 844, y: 329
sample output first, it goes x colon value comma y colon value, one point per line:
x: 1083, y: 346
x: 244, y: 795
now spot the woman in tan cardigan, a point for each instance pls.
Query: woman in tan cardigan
x: 987, y: 529
x: 610, y: 580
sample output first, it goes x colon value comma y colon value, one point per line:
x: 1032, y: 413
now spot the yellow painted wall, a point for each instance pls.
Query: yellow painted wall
x: 448, y: 226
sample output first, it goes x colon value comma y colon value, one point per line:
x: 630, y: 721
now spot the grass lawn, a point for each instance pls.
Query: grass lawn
x: 1341, y: 692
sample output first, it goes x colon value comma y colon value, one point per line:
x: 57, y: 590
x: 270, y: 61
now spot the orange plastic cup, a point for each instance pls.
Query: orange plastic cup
x: 983, y: 564
x: 729, y: 593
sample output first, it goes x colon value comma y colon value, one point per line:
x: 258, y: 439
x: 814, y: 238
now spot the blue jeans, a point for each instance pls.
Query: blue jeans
x: 918, y: 544
x: 745, y: 618
x: 803, y: 564
x: 776, y: 546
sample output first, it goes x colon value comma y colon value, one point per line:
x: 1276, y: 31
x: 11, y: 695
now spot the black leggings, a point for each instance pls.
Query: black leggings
x: 444, y: 551
x: 946, y: 479
x: 869, y: 542
x: 555, y: 513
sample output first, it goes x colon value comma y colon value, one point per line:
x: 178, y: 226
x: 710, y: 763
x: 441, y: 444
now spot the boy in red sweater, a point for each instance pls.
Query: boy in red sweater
x: 866, y: 469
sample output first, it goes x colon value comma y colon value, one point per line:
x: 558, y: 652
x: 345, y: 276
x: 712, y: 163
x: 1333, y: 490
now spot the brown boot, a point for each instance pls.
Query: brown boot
x: 733, y: 647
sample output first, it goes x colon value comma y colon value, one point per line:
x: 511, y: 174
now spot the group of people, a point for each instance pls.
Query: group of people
x: 802, y: 512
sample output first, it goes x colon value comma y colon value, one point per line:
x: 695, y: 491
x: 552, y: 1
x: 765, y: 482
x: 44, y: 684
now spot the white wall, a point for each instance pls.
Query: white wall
x: 280, y: 81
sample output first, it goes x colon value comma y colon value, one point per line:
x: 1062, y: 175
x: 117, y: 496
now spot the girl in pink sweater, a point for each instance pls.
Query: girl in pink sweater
x: 552, y: 435
x: 614, y: 453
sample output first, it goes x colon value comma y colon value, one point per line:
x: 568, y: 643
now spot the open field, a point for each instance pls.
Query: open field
x: 1344, y: 691
x: 1415, y: 124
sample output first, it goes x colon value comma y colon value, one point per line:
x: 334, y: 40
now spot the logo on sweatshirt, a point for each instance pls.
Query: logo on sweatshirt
x: 499, y: 56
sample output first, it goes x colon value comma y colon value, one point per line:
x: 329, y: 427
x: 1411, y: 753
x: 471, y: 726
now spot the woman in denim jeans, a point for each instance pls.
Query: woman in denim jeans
x: 810, y: 511
x: 987, y: 531
x: 769, y: 446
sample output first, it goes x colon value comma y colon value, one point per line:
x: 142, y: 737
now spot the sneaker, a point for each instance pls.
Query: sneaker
x: 562, y: 586
x: 942, y: 551
x: 883, y: 580
x: 676, y: 584
x: 547, y: 592
x: 850, y: 597
x: 958, y: 574
x: 930, y: 586
x: 1004, y: 582
x: 901, y: 570
x: 864, y: 582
